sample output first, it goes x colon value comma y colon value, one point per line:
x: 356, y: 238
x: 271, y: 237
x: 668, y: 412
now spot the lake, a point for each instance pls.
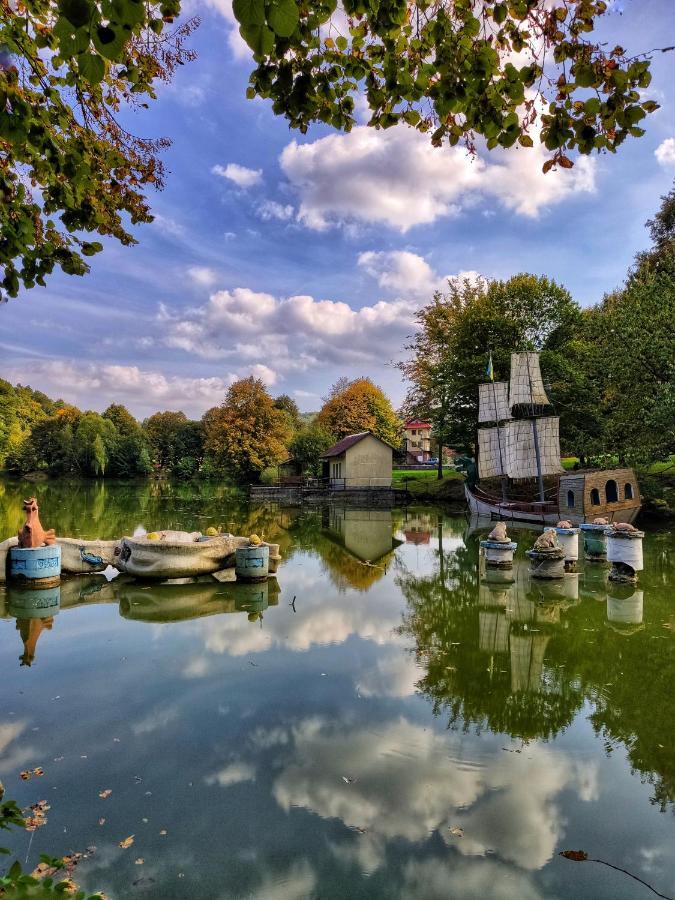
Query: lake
x: 382, y: 721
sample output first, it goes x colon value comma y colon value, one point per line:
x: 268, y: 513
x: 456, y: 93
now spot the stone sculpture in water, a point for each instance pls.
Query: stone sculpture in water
x: 33, y: 534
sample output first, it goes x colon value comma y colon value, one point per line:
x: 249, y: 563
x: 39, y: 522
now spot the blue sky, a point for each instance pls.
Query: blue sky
x: 301, y: 258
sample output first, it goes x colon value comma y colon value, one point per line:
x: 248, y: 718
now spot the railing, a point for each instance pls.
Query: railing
x: 337, y: 484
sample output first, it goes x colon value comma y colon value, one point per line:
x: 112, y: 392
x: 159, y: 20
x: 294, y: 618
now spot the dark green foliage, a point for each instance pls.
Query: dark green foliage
x: 308, y: 445
x: 447, y: 70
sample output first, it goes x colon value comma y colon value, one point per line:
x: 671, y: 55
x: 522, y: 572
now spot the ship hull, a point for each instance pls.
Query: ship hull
x: 483, y: 505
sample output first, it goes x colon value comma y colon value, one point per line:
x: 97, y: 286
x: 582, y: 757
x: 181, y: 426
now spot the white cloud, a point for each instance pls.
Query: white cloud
x: 665, y: 152
x: 270, y: 209
x: 167, y: 225
x: 144, y: 391
x: 396, y: 178
x: 235, y: 773
x: 242, y: 176
x: 202, y: 275
x: 407, y: 274
x: 297, y: 333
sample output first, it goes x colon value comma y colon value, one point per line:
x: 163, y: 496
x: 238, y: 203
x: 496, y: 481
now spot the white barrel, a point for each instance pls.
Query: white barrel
x: 628, y: 610
x: 568, y: 538
x: 626, y: 547
x: 498, y: 553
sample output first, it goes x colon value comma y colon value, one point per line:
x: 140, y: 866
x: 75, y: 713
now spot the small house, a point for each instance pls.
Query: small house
x: 417, y: 441
x: 358, y: 461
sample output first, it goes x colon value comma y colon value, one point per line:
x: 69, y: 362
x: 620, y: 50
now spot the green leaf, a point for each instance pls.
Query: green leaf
x: 259, y: 38
x: 282, y: 17
x: 78, y: 12
x: 109, y: 41
x: 91, y: 67
x: 249, y: 12
x: 341, y: 42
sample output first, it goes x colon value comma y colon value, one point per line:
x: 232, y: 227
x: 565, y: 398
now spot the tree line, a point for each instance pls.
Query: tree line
x: 249, y: 432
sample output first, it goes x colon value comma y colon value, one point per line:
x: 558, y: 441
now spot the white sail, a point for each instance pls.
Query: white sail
x: 491, y: 452
x: 493, y: 401
x: 520, y: 460
x: 526, y: 385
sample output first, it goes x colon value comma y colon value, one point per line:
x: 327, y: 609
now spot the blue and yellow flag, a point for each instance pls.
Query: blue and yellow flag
x: 489, y: 371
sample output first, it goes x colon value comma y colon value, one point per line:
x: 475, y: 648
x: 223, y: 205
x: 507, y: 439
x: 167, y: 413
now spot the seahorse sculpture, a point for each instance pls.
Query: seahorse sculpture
x: 33, y: 534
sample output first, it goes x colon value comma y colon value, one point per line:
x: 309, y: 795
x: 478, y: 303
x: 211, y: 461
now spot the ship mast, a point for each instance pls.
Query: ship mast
x: 504, y: 478
x: 535, y: 436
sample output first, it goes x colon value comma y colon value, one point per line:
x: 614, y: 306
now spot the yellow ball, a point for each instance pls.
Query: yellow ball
x: 152, y: 536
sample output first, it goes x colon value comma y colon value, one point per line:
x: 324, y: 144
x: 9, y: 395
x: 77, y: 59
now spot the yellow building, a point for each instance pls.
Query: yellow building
x: 358, y: 461
x: 417, y: 441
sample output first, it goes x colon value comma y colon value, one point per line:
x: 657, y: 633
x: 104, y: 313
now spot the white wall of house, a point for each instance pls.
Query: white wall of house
x: 368, y: 464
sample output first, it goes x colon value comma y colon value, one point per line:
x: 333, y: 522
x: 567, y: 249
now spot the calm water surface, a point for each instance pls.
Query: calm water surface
x: 405, y: 729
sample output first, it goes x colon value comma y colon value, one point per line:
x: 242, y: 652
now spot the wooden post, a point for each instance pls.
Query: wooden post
x: 540, y: 477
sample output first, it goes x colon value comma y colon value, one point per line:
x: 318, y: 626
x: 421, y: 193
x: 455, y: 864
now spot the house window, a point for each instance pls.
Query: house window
x: 570, y: 499
x: 612, y: 491
x: 415, y: 443
x: 595, y: 497
x: 414, y: 431
x: 628, y: 491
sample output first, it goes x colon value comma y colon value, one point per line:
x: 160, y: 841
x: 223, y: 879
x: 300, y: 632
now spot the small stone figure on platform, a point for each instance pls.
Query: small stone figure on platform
x: 564, y: 524
x: 498, y: 533
x: 33, y: 534
x: 546, y: 541
x: 600, y: 520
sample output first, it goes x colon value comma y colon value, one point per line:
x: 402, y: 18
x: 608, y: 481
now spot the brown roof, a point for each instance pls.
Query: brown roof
x: 349, y: 441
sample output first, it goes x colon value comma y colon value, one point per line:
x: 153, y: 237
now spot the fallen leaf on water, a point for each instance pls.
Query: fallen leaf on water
x: 144, y: 820
x: 127, y: 842
x: 101, y: 821
x: 24, y: 776
x: 105, y: 794
x: 163, y: 831
x: 139, y: 861
x: 58, y: 759
x: 574, y: 855
x: 457, y: 831
x: 38, y: 772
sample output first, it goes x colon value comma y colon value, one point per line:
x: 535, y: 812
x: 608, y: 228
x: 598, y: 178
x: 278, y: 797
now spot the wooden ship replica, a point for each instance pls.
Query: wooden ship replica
x: 519, y: 471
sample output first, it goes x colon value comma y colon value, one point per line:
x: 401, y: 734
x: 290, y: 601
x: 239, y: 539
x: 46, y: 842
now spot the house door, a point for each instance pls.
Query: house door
x: 336, y: 474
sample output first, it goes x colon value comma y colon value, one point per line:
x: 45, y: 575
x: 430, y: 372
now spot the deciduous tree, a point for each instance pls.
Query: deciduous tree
x: 247, y: 433
x: 68, y: 168
x: 308, y: 445
x: 359, y: 405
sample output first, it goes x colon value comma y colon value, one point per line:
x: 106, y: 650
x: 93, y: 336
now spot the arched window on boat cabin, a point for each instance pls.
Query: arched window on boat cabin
x: 611, y: 491
x: 595, y: 497
x: 570, y: 499
x: 628, y: 491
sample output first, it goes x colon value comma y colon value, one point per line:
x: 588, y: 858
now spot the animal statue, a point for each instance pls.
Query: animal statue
x: 564, y: 524
x: 546, y: 541
x: 498, y: 533
x: 33, y: 534
x: 626, y: 527
x: 601, y: 521
x: 467, y: 465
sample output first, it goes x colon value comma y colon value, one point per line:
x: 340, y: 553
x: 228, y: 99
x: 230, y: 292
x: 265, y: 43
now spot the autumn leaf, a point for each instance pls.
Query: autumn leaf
x: 127, y: 842
x: 574, y: 855
x: 163, y: 831
x: 457, y: 831
x: 101, y: 821
x: 38, y: 772
x: 105, y: 794
x: 140, y: 861
x: 25, y: 775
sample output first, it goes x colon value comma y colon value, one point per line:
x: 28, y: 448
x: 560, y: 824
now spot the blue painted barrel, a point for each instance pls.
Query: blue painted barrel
x: 29, y: 603
x: 36, y: 566
x: 251, y: 598
x: 252, y: 563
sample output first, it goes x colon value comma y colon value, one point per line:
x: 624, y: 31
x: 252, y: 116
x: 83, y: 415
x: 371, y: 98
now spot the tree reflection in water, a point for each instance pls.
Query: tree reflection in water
x: 513, y: 656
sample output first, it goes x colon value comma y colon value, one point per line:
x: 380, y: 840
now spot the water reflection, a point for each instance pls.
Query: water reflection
x: 305, y: 723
